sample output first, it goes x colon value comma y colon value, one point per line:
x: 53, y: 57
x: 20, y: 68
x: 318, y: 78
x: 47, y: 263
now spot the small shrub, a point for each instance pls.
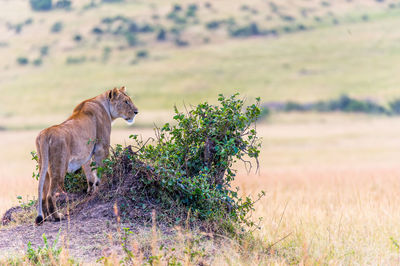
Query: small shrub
x: 244, y: 7
x: 131, y: 39
x: 28, y: 21
x: 191, y: 11
x: 365, y: 17
x: 176, y: 16
x: 142, y: 54
x: 97, y: 30
x: 212, y: 25
x: 47, y: 254
x: 180, y: 42
x: 176, y: 8
x: 395, y: 106
x: 40, y: 5
x: 161, y: 35
x: 37, y: 62
x: 245, y: 31
x: 287, y: 29
x: 44, y: 50
x: 301, y: 27
x: 106, y: 53
x: 57, y: 27
x: 26, y: 204
x: 63, y: 4
x: 73, y: 182
x: 78, y: 37
x: 90, y: 5
x: 146, y: 28
x: 112, y: 1
x: 325, y: 4
x: 287, y: 18
x: 22, y: 61
x: 176, y: 31
x: 293, y: 106
x: 75, y: 60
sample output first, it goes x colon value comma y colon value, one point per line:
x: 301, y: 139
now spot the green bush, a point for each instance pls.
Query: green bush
x: 342, y: 104
x: 37, y: 62
x: 180, y: 42
x: 73, y: 182
x: 131, y: 39
x: 245, y: 31
x: 189, y: 167
x: 44, y: 50
x: 77, y: 37
x: 287, y: 18
x: 97, y: 30
x: 142, y: 54
x: 75, y: 60
x: 293, y: 106
x: 161, y: 35
x: 347, y: 104
x: 57, y: 27
x: 106, y: 54
x: 40, y: 5
x: 212, y: 25
x: 46, y: 255
x: 191, y: 10
x: 395, y: 106
x: 22, y: 61
x: 63, y: 4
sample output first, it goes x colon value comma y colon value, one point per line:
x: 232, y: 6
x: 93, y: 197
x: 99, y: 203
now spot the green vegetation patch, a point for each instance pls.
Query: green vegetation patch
x: 188, y: 168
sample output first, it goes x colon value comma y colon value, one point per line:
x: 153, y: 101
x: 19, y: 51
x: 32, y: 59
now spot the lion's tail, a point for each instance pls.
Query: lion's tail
x: 43, y: 150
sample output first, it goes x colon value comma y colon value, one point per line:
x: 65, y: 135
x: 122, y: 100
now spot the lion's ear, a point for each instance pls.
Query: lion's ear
x: 123, y: 89
x: 113, y: 93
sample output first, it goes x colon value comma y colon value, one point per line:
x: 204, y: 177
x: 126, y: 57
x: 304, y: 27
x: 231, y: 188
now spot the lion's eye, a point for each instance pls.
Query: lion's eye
x: 127, y: 102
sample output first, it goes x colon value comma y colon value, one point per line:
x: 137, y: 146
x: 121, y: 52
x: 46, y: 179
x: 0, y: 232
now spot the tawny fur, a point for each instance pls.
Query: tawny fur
x: 83, y: 137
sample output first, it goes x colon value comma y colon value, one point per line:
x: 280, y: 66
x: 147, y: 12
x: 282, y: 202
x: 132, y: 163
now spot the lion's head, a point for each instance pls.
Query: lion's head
x: 121, y: 105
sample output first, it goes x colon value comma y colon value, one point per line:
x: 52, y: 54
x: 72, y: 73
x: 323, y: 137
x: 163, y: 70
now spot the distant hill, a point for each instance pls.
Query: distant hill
x: 168, y: 52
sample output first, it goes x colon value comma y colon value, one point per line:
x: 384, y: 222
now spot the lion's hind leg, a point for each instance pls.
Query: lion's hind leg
x: 57, y: 175
x: 46, y: 191
x: 91, y: 178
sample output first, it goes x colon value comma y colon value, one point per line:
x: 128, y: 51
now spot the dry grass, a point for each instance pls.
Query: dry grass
x: 332, y: 187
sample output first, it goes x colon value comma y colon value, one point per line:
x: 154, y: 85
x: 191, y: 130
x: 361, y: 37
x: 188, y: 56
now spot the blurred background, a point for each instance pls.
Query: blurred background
x: 327, y: 72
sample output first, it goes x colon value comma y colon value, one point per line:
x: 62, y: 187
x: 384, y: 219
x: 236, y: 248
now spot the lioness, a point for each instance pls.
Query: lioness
x: 72, y: 144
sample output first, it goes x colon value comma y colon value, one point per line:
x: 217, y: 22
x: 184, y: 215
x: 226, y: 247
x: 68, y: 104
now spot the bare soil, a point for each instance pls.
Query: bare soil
x: 89, y: 232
